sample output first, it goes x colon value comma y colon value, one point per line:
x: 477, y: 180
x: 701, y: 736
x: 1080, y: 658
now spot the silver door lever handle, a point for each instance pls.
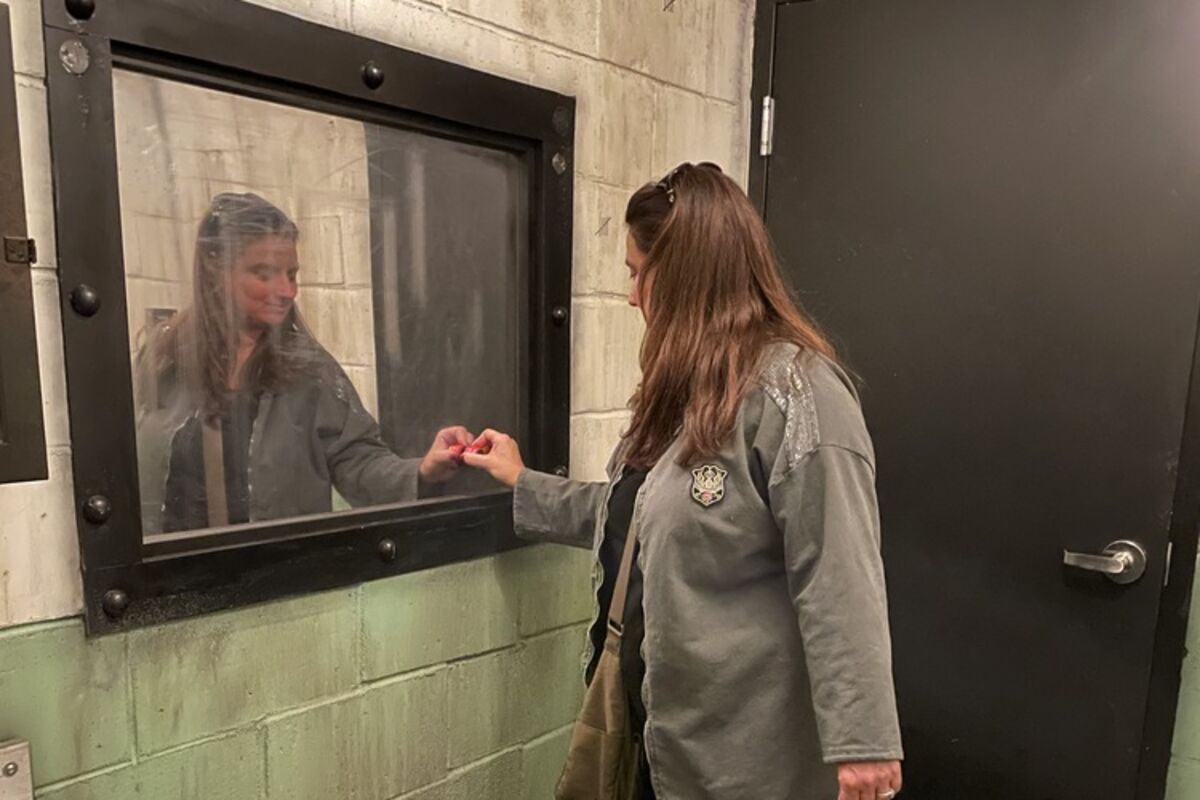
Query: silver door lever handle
x: 1122, y: 561
x: 1109, y: 565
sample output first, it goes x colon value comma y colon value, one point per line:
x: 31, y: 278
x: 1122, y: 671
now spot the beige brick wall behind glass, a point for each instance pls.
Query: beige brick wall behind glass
x: 178, y: 146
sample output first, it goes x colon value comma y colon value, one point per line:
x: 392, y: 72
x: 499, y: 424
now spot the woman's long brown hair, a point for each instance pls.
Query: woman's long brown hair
x: 716, y: 300
x: 198, y: 345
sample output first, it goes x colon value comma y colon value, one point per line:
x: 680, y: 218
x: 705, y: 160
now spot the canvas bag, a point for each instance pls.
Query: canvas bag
x: 602, y: 761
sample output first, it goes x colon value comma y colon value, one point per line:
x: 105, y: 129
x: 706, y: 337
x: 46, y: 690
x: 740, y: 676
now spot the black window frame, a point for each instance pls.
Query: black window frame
x: 230, y: 44
x: 22, y: 431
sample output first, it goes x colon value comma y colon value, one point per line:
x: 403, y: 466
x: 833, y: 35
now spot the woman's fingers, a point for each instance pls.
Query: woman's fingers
x: 852, y: 784
x: 886, y: 780
x: 486, y: 444
x: 444, y: 455
x: 488, y: 455
x: 847, y: 782
x: 489, y: 437
x: 455, y: 434
x: 478, y: 460
x: 497, y: 454
x: 493, y: 451
x: 874, y: 780
x: 895, y: 778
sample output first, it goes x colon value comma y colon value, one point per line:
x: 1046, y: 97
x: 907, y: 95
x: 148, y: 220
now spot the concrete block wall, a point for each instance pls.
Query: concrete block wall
x: 454, y: 683
x: 445, y: 683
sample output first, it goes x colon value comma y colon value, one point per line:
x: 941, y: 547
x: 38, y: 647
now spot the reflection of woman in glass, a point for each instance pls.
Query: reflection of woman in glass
x: 242, y: 414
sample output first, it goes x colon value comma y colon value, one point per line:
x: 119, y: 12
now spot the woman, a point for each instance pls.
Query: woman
x: 242, y: 414
x: 747, y: 477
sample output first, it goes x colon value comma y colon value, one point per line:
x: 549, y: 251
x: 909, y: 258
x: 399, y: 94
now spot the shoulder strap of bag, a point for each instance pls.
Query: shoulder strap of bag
x: 616, y: 609
x: 214, y: 474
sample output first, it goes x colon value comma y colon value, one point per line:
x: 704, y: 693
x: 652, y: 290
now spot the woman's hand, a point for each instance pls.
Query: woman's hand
x: 498, y: 455
x: 441, y: 462
x: 868, y: 780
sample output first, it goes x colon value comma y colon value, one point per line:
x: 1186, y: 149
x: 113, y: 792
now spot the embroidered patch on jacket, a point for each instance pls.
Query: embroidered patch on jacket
x: 708, y: 484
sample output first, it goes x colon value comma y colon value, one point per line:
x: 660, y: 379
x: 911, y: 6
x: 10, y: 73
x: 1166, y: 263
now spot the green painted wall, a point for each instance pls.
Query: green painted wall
x: 458, y: 682
x: 1183, y: 782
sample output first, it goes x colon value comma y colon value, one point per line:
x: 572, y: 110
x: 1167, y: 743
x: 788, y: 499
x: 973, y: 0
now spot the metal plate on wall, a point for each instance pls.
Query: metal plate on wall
x: 16, y: 776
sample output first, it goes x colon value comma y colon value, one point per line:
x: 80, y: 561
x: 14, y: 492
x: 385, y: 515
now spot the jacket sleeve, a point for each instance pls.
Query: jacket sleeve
x: 363, y: 469
x: 553, y: 509
x: 825, y: 506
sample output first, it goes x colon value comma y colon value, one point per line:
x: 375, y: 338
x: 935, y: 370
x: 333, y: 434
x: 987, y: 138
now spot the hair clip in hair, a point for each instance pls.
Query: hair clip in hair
x: 665, y: 185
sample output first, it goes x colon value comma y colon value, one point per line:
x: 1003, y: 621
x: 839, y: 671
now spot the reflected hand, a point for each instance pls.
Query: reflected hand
x: 868, y: 780
x: 441, y: 462
x: 498, y: 455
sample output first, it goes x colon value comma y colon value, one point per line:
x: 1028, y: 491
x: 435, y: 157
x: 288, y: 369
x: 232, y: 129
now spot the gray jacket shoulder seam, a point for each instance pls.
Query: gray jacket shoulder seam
x: 856, y: 453
x: 825, y: 446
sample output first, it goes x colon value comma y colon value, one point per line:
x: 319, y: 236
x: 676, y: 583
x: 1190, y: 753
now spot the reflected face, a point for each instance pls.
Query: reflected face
x: 263, y: 283
x: 639, y: 289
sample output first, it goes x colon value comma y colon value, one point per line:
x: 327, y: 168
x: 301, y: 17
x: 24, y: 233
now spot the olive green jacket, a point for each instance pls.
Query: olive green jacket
x: 767, y: 650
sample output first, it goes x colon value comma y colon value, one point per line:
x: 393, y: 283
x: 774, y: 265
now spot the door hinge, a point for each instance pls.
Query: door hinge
x: 1167, y: 571
x: 766, y: 141
x: 19, y: 250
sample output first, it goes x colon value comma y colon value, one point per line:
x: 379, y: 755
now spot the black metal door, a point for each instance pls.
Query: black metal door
x: 994, y: 207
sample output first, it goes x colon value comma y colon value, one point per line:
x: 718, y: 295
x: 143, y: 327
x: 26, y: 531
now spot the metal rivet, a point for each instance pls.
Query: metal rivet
x: 560, y: 471
x: 559, y: 315
x: 11, y: 769
x: 74, y: 57
x: 85, y: 300
x: 562, y: 120
x: 114, y: 603
x: 559, y: 162
x: 97, y: 509
x: 372, y: 75
x: 387, y: 550
x: 81, y: 9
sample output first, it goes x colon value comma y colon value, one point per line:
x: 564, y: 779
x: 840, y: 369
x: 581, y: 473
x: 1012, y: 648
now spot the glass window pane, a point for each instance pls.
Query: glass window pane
x: 295, y: 279
x: 454, y: 215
